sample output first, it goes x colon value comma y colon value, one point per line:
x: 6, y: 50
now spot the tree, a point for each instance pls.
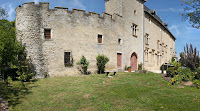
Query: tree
x: 190, y: 57
x: 8, y: 45
x: 192, y: 12
x: 101, y: 62
x: 84, y: 65
x: 3, y: 13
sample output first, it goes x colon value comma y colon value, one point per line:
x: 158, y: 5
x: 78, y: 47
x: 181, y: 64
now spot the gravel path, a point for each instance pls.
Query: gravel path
x: 3, y: 105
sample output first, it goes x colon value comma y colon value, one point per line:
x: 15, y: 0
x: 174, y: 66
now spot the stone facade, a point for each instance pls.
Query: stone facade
x: 123, y: 29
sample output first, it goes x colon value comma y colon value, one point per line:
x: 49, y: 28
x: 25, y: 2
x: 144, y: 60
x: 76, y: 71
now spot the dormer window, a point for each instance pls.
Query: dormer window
x: 149, y: 19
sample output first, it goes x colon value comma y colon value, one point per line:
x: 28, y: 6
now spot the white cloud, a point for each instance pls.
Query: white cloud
x: 77, y: 4
x: 174, y: 28
x: 10, y: 9
x: 171, y: 10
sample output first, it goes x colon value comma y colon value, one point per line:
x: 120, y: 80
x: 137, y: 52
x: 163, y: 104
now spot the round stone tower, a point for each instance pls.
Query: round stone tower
x: 28, y: 23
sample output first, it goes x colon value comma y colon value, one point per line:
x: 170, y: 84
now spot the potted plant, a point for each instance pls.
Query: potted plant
x: 129, y: 69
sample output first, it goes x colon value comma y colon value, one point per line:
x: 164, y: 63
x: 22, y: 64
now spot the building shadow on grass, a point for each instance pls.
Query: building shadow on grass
x: 14, y: 92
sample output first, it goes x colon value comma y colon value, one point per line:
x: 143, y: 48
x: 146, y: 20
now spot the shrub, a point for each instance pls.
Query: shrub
x: 84, y: 65
x: 24, y: 74
x: 197, y: 83
x: 185, y: 74
x: 125, y: 68
x: 197, y: 74
x: 190, y: 57
x: 101, y: 62
x: 140, y: 66
x: 175, y: 80
x: 165, y: 67
x: 176, y: 65
x: 170, y: 71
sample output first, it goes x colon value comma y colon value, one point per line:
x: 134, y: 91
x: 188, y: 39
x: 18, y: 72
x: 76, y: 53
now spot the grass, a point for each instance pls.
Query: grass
x: 125, y: 91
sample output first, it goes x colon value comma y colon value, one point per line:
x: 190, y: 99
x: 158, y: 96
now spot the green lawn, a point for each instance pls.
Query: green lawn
x: 125, y: 91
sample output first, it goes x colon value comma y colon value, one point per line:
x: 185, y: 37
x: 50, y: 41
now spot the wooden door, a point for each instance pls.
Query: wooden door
x: 119, y: 60
x: 133, y: 62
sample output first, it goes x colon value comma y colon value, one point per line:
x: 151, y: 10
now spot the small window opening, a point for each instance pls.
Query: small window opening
x: 147, y: 39
x: 68, y: 59
x: 135, y: 12
x: 119, y: 41
x: 100, y: 38
x: 47, y: 33
x: 149, y: 19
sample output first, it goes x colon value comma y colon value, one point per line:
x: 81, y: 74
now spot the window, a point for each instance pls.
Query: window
x: 149, y: 19
x: 68, y: 59
x: 146, y: 54
x: 152, y: 56
x: 119, y: 41
x: 170, y: 51
x: 100, y: 39
x: 158, y: 43
x: 147, y: 39
x: 47, y: 33
x: 134, y: 30
x: 135, y: 12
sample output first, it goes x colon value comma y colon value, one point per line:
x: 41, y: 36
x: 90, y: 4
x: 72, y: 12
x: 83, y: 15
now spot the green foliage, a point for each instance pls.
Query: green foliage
x: 3, y: 13
x: 84, y: 65
x: 8, y: 45
x: 197, y: 83
x: 12, y: 53
x: 8, y: 80
x: 101, y: 62
x: 164, y: 67
x: 185, y: 74
x: 173, y: 59
x: 24, y: 66
x: 140, y: 66
x: 170, y: 71
x: 125, y: 68
x: 197, y: 74
x: 190, y: 57
x: 192, y: 12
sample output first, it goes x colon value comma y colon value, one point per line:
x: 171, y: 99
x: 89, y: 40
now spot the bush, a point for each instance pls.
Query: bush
x: 11, y: 72
x: 140, y: 66
x: 197, y: 74
x: 165, y: 67
x: 185, y: 74
x: 101, y: 62
x: 24, y: 74
x: 197, y: 83
x: 84, y: 65
x: 170, y: 71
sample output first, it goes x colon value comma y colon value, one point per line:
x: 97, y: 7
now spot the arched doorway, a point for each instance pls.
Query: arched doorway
x: 133, y: 61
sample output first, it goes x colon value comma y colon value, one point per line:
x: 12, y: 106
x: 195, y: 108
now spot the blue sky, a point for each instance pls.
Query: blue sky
x: 168, y: 10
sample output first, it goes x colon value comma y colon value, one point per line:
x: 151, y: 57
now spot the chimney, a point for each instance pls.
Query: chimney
x: 153, y: 12
x: 165, y: 24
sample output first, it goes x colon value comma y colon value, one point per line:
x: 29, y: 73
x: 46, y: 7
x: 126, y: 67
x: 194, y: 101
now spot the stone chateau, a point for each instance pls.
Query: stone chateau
x: 128, y: 33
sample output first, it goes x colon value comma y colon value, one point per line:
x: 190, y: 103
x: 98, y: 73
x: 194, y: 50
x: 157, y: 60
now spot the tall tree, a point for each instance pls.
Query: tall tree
x: 192, y: 12
x: 190, y: 57
x: 8, y: 44
x: 3, y: 13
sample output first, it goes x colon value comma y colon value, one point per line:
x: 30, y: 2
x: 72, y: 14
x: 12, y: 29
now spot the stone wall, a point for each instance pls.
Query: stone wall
x: 77, y: 32
x: 157, y: 55
x: 74, y: 31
